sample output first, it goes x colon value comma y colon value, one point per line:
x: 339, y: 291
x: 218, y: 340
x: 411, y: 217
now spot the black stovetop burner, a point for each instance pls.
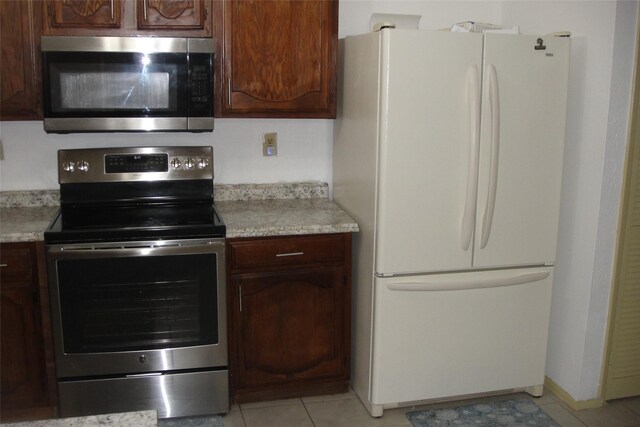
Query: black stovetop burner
x: 127, y: 223
x: 171, y: 201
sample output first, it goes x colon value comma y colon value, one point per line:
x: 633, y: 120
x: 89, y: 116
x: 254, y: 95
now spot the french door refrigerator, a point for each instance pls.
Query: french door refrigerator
x: 448, y: 152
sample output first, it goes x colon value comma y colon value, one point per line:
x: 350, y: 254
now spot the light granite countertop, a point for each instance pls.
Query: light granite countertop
x: 248, y: 210
x: 279, y: 217
x: 138, y: 419
x: 25, y: 224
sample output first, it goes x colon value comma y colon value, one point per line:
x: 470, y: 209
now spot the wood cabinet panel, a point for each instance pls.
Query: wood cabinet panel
x: 73, y: 14
x: 178, y: 18
x: 287, y: 251
x: 20, y: 81
x: 172, y: 14
x: 23, y: 374
x: 279, y: 58
x: 289, y: 324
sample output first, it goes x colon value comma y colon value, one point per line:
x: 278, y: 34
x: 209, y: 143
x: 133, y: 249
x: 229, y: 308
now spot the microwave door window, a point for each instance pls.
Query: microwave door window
x: 115, y: 90
x: 116, y: 85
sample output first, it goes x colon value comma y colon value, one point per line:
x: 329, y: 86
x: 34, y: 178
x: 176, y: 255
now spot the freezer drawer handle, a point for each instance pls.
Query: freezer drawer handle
x: 473, y: 98
x: 472, y: 283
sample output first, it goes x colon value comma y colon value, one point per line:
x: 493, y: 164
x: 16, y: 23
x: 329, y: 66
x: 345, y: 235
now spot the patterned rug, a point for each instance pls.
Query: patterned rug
x: 512, y: 413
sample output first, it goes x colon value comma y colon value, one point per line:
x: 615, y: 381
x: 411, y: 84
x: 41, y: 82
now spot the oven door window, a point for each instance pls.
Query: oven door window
x: 115, y: 85
x: 138, y: 303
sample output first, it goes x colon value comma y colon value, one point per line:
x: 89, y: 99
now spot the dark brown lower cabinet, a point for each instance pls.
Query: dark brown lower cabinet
x: 24, y: 384
x: 289, y: 311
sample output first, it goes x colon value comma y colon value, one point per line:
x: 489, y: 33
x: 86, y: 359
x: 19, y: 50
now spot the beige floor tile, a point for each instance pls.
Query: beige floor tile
x: 561, y: 415
x: 282, y: 402
x: 632, y: 403
x: 614, y: 414
x: 351, y: 413
x: 277, y: 416
x: 233, y: 418
x: 545, y: 399
x: 396, y: 417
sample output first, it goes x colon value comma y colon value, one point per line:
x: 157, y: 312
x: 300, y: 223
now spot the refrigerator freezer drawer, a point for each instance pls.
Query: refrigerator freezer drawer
x: 430, y: 342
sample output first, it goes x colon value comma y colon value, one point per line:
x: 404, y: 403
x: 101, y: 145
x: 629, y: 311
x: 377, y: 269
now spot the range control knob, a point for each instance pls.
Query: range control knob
x: 203, y: 162
x: 189, y: 163
x: 83, y: 166
x: 69, y: 166
x: 176, y: 163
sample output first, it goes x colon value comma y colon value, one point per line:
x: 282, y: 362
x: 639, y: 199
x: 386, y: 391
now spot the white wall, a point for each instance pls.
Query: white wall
x: 603, y: 36
x: 599, y: 97
x: 304, y: 151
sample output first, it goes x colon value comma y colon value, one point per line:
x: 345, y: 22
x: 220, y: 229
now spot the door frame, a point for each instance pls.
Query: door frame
x: 633, y: 145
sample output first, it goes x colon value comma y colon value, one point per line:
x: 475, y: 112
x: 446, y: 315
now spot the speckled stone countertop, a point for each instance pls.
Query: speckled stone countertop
x: 248, y: 210
x: 138, y: 419
x: 279, y: 217
x: 24, y: 215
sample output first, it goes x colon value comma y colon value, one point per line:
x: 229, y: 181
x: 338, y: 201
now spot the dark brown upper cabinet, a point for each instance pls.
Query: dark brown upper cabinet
x: 180, y: 18
x: 20, y: 82
x: 172, y: 14
x: 278, y: 58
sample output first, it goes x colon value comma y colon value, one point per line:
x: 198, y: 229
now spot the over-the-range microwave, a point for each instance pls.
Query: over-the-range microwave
x: 127, y: 84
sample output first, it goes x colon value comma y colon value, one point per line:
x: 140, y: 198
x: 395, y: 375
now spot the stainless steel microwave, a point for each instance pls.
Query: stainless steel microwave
x: 127, y: 84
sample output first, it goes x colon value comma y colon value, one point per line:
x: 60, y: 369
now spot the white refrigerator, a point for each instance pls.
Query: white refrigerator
x: 448, y: 151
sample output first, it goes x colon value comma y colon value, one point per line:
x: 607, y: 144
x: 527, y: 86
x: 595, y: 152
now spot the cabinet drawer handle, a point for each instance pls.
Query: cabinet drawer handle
x: 291, y: 254
x: 4, y: 265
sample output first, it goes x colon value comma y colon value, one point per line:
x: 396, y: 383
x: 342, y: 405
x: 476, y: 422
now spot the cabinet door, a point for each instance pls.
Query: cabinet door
x: 23, y: 380
x: 291, y: 327
x: 279, y: 58
x: 521, y: 150
x: 65, y: 15
x: 20, y: 79
x: 172, y: 14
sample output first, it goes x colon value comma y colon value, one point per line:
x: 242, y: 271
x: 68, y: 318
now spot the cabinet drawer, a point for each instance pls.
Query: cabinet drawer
x: 287, y: 251
x: 17, y: 261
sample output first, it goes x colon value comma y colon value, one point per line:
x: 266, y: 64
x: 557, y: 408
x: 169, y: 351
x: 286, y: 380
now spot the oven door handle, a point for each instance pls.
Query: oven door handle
x: 135, y: 249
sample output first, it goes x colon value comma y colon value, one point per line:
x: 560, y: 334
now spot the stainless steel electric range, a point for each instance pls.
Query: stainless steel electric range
x: 136, y: 268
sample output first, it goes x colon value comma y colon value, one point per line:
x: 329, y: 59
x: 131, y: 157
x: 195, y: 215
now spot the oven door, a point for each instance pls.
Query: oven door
x: 134, y: 308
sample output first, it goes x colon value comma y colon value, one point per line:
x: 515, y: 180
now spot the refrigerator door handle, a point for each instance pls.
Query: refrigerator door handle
x: 494, y: 102
x: 468, y: 283
x: 473, y: 97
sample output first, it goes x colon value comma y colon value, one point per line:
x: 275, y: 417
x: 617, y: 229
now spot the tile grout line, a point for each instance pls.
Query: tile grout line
x: 304, y: 405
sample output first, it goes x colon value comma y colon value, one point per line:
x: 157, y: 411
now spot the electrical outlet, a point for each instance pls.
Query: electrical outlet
x: 270, y: 144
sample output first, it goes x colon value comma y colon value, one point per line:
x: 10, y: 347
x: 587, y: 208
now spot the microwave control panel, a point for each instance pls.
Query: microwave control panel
x: 200, y: 85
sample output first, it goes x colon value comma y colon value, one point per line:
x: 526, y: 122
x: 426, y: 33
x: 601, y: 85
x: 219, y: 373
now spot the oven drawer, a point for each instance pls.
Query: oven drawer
x: 172, y: 395
x: 279, y: 251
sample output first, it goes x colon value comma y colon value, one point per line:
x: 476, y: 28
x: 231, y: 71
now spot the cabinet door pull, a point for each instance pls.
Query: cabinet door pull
x: 290, y: 254
x: 4, y: 265
x: 144, y: 10
x: 111, y: 6
x: 240, y: 296
x: 229, y: 92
